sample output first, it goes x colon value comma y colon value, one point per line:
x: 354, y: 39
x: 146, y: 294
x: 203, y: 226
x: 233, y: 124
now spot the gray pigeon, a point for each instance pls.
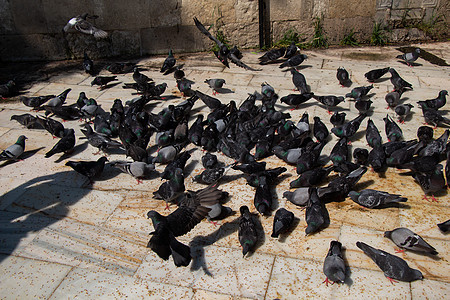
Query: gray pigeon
x: 405, y: 238
x: 393, y: 266
x: 14, y: 151
x: 100, y: 141
x: 82, y: 25
x: 403, y: 111
x: 334, y: 265
x: 372, y: 198
x: 282, y: 222
x: 299, y: 197
x: 137, y: 169
x: 216, y: 84
x: 393, y: 98
x: 410, y: 56
x: 59, y: 100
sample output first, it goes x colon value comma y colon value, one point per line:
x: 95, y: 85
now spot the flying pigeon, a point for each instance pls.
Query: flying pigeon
x: 192, y: 210
x: 393, y: 266
x: 405, y: 238
x: 82, y: 25
x: 14, y: 151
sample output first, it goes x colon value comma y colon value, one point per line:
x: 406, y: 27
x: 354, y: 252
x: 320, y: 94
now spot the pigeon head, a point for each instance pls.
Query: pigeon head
x: 244, y: 209
x: 354, y: 195
x: 387, y: 234
x: 443, y: 93
x: 417, y: 50
x: 102, y: 159
x: 21, y: 139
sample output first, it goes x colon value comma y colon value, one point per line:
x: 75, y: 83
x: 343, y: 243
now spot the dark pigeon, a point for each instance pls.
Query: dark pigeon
x: 393, y: 131
x: 398, y: 82
x: 90, y: 169
x: 436, y: 103
x: 342, y: 76
x: 393, y: 266
x: 282, y: 222
x: 316, y: 214
x: 169, y: 62
x: 337, y: 118
x: 294, y: 61
x: 248, y: 236
x: 359, y: 92
x: 65, y: 144
x: 376, y: 74
x: 334, y: 265
x: 88, y: 64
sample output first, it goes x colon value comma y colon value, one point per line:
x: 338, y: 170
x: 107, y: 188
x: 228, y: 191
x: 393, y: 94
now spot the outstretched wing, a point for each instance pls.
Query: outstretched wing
x: 239, y: 63
x: 206, y: 32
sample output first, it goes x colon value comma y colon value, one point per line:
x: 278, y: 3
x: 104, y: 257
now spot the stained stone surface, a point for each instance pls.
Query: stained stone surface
x: 63, y: 238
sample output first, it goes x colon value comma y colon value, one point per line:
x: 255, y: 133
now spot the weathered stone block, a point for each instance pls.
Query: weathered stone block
x: 383, y: 4
x: 28, y: 16
x: 280, y: 28
x: 242, y: 35
x: 179, y: 38
x: 247, y: 12
x: 207, y: 11
x: 283, y: 10
x: 7, y: 23
x: 350, y: 9
x: 336, y: 29
x: 32, y: 47
x: 398, y: 4
x: 127, y: 43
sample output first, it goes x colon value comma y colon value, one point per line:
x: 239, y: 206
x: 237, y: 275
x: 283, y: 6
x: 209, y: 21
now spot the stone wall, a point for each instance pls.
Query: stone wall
x: 32, y: 29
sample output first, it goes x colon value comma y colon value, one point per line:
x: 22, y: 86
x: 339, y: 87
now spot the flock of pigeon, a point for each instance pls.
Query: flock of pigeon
x: 236, y: 130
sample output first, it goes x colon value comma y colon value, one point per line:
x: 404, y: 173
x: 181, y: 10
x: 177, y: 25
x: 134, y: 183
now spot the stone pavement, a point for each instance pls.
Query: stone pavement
x: 63, y: 238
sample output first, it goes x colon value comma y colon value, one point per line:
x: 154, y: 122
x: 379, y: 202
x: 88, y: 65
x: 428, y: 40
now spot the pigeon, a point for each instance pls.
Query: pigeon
x: 436, y: 103
x: 65, y: 144
x: 337, y: 118
x: 343, y: 184
x: 294, y: 61
x: 398, y: 82
x: 210, y: 176
x: 82, y: 25
x: 373, y: 199
x: 60, y: 99
x: 350, y: 128
x: 90, y: 169
x: 263, y: 197
x: 433, y: 117
x: 140, y: 78
x: 298, y: 197
x: 334, y: 265
x: 329, y: 101
x: 444, y: 226
x: 339, y: 153
x: 342, y: 76
x: 393, y: 98
x: 216, y: 84
x: 192, y: 210
x: 311, y: 177
x: 224, y: 54
x: 179, y: 162
x: 373, y: 136
x: 291, y: 50
x: 320, y: 130
x: 361, y: 156
x: 282, y: 222
x: 393, y: 131
x: 376, y: 74
x: 410, y: 56
x: 405, y: 238
x: 393, y: 266
x: 100, y: 141
x: 431, y: 182
x: 14, y: 151
x: 102, y: 81
x: 27, y: 120
x: 359, y: 92
x: 169, y: 62
x: 137, y: 169
x: 120, y: 68
x: 363, y: 106
x: 88, y: 64
x: 178, y: 73
x: 7, y: 89
x: 248, y: 236
x: 55, y: 128
x: 272, y: 56
x: 296, y: 99
x: 167, y: 154
x: 185, y: 87
x: 172, y: 188
x: 299, y: 81
x: 36, y: 102
x: 377, y: 159
x: 403, y: 111
x: 316, y: 214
